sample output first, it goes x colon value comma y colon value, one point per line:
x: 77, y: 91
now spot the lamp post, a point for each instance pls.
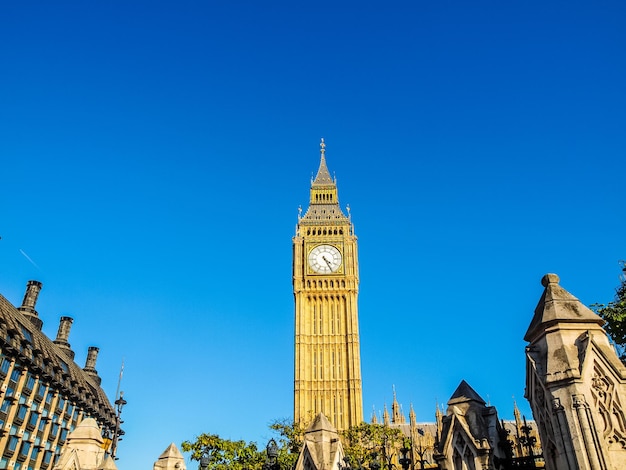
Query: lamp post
x: 374, y: 465
x: 204, y: 461
x: 118, y: 432
x: 272, y: 456
x: 405, y: 461
x: 346, y: 460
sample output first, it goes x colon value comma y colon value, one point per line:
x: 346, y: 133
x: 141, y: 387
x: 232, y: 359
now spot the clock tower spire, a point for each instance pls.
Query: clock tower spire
x: 327, y: 376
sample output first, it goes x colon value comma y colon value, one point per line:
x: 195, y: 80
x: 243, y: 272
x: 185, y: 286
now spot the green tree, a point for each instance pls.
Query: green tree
x: 290, y: 438
x: 224, y: 454
x: 615, y: 315
x: 367, y: 442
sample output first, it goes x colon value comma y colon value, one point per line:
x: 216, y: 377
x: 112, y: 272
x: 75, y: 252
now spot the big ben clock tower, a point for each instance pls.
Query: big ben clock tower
x: 325, y: 286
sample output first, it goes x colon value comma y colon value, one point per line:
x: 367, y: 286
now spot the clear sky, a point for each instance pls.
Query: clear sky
x: 154, y: 155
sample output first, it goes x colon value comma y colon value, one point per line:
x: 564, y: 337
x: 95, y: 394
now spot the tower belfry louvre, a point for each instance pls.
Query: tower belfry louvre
x: 327, y: 375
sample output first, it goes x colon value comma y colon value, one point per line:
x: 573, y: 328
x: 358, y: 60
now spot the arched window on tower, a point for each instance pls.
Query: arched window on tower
x: 320, y: 319
x: 339, y: 363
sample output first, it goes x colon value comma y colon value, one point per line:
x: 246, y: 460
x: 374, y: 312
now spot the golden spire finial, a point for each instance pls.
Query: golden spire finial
x: 322, y: 147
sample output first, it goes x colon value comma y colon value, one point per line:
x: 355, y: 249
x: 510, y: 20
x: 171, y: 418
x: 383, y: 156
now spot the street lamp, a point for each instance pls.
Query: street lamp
x: 346, y: 460
x: 117, y: 433
x: 204, y: 461
x: 405, y: 461
x: 272, y: 456
x: 374, y: 465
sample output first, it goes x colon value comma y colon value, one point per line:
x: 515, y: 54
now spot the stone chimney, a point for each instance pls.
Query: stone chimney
x: 28, y: 304
x: 90, y: 363
x: 63, y: 335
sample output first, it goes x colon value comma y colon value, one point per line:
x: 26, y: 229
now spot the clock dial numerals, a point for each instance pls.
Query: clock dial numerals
x: 325, y: 259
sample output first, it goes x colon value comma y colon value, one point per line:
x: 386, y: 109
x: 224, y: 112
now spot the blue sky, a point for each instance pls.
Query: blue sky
x: 154, y: 155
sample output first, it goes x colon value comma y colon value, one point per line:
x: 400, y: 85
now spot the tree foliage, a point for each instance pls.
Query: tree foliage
x: 290, y: 438
x: 614, y: 313
x: 367, y: 442
x: 225, y: 454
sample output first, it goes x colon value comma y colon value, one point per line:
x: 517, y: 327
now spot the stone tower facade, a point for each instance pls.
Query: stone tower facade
x: 327, y: 375
x: 575, y: 383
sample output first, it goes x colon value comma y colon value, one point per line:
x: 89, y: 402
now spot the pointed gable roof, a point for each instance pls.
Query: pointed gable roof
x: 87, y: 431
x: 467, y: 417
x: 321, y: 423
x: 558, y: 306
x: 170, y: 458
x: 464, y: 393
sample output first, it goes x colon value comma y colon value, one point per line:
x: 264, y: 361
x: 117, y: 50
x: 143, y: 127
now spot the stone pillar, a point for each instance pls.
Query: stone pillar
x: 590, y: 440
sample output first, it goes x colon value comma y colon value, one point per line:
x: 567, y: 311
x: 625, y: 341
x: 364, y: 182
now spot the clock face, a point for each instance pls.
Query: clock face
x: 325, y: 259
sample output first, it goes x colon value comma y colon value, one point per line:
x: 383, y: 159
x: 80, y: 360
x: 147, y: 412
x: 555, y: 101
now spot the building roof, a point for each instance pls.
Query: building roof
x: 321, y: 423
x: 21, y: 339
x: 323, y: 175
x: 558, y: 306
x: 465, y: 393
x: 171, y: 458
x: 324, y: 206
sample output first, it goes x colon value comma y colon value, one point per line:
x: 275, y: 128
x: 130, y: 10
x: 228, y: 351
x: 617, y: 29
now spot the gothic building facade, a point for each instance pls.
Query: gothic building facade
x: 468, y: 434
x: 44, y: 394
x: 575, y: 383
x: 327, y: 376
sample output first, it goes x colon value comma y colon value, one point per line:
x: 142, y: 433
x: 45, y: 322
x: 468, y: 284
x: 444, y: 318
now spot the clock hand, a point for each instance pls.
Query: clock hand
x: 327, y: 262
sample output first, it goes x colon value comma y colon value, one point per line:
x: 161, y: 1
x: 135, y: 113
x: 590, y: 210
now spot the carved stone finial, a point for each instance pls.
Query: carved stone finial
x: 549, y: 279
x: 322, y: 147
